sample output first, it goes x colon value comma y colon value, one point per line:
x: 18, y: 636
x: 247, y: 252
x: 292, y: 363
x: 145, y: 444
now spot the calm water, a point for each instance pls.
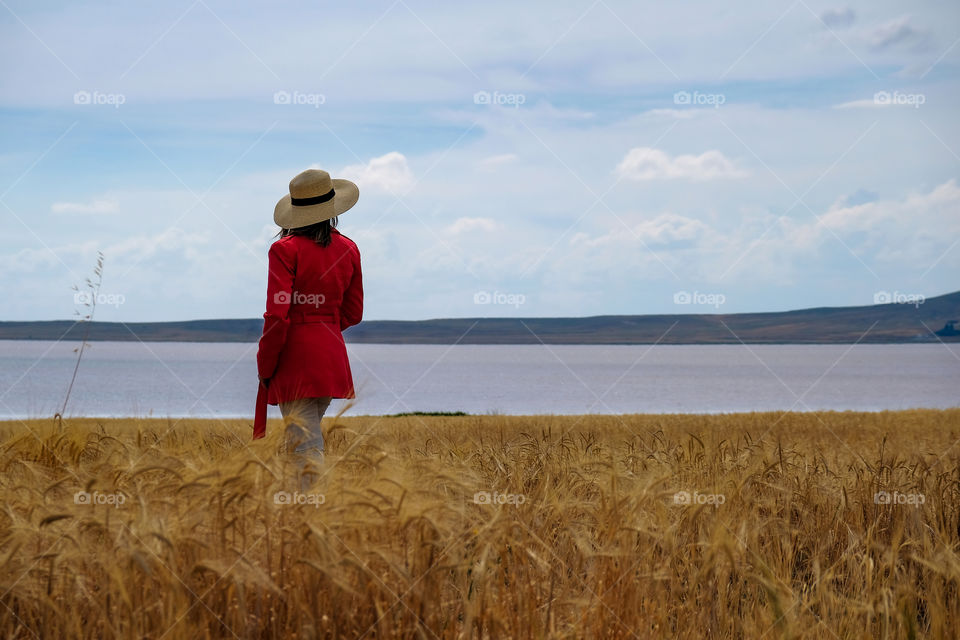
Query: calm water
x: 203, y: 380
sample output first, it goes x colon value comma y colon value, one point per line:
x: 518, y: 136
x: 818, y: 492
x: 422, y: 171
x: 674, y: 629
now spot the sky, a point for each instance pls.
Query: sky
x: 514, y: 159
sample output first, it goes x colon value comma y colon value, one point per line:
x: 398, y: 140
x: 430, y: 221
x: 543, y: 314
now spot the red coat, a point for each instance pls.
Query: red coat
x: 313, y: 294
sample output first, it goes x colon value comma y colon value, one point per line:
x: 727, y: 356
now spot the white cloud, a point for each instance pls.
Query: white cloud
x: 895, y: 33
x: 600, y: 53
x: 662, y: 229
x: 493, y: 162
x: 903, y: 236
x: 389, y: 172
x: 838, y: 17
x: 171, y: 240
x: 868, y: 103
x: 679, y: 114
x: 915, y: 215
x: 880, y: 99
x: 29, y: 260
x: 670, y: 227
x: 467, y: 224
x: 899, y: 235
x: 645, y: 163
x: 96, y: 206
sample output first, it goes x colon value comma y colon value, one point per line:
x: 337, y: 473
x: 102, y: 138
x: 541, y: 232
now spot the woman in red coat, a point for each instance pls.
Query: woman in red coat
x: 314, y: 292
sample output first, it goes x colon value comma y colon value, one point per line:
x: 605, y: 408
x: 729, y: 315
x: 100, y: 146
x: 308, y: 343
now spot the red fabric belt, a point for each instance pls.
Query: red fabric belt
x: 298, y: 316
x: 260, y: 416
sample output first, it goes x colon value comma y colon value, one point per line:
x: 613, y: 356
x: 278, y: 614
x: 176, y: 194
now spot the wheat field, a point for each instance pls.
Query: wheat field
x: 762, y: 525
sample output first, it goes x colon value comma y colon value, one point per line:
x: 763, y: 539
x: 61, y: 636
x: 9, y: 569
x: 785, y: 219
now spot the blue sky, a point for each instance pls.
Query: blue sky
x: 514, y: 159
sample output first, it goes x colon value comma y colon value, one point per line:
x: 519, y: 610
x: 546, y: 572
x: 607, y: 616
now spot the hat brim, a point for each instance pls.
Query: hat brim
x: 288, y: 216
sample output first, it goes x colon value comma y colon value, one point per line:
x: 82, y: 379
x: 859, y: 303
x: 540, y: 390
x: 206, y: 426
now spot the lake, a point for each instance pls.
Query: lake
x: 163, y: 379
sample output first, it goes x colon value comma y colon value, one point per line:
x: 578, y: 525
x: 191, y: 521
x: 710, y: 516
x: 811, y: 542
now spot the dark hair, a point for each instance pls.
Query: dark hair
x: 319, y: 232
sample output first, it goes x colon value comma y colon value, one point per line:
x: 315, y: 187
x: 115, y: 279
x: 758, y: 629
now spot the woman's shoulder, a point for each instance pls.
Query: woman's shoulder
x: 334, y: 234
x: 284, y: 244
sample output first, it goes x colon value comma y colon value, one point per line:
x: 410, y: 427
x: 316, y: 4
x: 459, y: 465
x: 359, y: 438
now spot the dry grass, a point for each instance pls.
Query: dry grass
x: 598, y: 548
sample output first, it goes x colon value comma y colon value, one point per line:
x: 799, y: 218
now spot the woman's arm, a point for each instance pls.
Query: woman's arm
x: 276, y: 320
x: 351, y: 310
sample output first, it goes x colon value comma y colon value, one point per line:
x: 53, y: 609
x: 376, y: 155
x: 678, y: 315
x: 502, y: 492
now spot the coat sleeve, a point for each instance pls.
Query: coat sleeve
x: 276, y: 320
x: 351, y: 310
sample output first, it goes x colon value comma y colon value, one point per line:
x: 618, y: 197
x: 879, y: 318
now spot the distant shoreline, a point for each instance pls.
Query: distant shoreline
x: 244, y: 420
x: 930, y: 322
x: 529, y: 344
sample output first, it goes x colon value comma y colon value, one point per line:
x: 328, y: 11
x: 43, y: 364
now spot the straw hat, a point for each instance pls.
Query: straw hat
x: 314, y: 197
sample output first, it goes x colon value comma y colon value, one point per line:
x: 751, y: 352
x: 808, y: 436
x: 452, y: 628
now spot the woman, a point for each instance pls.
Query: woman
x: 314, y: 292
